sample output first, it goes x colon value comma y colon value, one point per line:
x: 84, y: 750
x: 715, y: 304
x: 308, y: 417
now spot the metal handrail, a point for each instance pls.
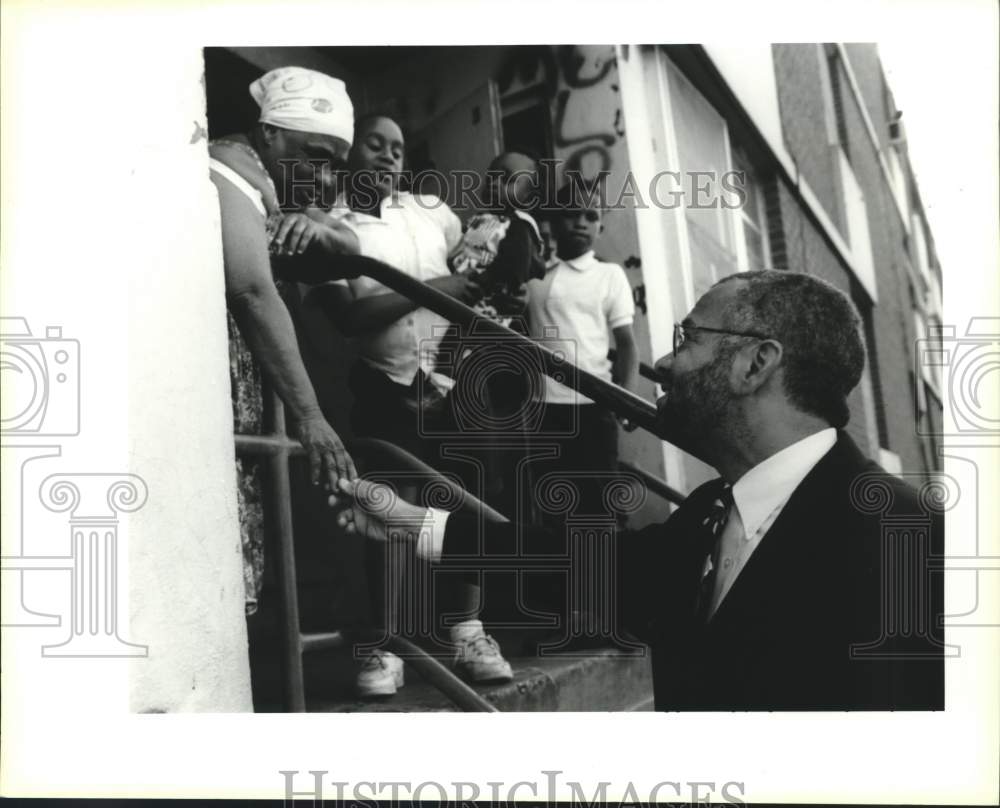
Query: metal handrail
x: 654, y: 483
x: 620, y: 401
x: 645, y: 370
x: 277, y: 448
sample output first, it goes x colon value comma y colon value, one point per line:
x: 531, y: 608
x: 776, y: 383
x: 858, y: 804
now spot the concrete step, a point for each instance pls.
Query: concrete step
x: 594, y: 680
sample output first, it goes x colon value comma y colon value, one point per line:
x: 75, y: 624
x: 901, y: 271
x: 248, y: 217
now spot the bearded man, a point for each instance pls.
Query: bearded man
x: 780, y: 585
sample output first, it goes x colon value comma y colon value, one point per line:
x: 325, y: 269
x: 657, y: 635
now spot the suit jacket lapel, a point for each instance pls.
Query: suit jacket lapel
x: 797, y: 538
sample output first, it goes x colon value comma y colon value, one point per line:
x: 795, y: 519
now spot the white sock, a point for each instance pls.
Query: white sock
x: 466, y: 630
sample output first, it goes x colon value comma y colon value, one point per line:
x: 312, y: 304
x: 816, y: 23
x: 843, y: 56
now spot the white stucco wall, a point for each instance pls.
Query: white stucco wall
x: 180, y: 422
x: 111, y: 232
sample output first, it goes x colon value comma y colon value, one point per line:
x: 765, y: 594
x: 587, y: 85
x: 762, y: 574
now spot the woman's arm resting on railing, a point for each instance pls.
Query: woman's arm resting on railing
x: 611, y: 396
x: 267, y: 327
x: 310, y: 247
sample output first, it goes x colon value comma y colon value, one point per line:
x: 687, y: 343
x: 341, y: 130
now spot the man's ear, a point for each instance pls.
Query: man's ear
x: 758, y: 365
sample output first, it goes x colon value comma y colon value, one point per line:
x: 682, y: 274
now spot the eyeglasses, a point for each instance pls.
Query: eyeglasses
x: 680, y: 333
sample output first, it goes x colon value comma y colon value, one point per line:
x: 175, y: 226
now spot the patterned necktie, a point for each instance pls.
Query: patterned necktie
x: 712, y: 526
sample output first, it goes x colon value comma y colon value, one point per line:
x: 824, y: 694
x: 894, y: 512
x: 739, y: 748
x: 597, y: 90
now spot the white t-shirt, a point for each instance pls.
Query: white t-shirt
x: 579, y: 302
x: 415, y: 234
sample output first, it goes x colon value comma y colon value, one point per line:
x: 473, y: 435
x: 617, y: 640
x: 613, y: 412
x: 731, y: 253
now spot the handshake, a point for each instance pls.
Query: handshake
x: 376, y: 511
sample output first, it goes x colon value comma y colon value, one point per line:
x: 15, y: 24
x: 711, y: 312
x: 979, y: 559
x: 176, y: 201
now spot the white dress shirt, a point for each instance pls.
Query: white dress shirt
x: 414, y: 234
x: 758, y: 499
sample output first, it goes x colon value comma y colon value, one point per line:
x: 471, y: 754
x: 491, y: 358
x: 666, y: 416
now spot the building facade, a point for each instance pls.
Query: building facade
x: 811, y: 129
x: 829, y: 190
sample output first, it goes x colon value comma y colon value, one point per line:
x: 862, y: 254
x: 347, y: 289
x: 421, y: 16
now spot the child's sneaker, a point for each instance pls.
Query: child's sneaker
x: 381, y: 673
x: 478, y: 659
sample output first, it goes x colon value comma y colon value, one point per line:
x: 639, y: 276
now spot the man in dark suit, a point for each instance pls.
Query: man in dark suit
x: 800, y: 579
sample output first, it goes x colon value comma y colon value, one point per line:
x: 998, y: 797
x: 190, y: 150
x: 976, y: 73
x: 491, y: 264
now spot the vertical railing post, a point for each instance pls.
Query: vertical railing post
x: 281, y: 507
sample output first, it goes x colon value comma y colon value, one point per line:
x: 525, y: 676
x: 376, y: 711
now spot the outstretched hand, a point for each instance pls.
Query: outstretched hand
x: 375, y: 510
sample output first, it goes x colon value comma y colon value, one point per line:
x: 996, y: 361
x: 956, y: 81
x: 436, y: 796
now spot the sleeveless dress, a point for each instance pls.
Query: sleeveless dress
x: 248, y: 409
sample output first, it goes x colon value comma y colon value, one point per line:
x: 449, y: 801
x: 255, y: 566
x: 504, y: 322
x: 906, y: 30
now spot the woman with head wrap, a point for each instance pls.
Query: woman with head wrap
x: 285, y: 163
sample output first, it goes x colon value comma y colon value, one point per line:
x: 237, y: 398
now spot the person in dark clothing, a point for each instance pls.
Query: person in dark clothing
x: 799, y: 579
x: 503, y: 246
x: 502, y: 249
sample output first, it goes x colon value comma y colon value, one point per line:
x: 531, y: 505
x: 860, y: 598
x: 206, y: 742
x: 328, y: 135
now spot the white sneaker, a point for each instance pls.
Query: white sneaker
x: 381, y: 673
x: 478, y: 659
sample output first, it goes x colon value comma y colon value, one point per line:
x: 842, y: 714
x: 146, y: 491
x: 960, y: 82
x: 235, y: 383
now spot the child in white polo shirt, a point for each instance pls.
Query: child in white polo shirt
x: 588, y: 302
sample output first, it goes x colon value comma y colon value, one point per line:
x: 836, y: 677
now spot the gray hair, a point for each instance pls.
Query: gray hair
x: 819, y: 328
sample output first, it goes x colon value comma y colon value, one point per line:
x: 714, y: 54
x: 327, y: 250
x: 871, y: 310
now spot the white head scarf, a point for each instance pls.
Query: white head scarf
x: 304, y: 101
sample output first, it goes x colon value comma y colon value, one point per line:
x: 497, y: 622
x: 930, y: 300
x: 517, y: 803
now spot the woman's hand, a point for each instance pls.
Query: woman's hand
x: 293, y: 233
x: 326, y: 452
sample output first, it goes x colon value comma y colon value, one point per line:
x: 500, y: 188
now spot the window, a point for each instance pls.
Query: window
x: 835, y: 73
x: 898, y: 180
x: 526, y: 122
x: 722, y: 240
x: 920, y: 246
x: 753, y: 217
x: 858, y: 236
x: 928, y: 333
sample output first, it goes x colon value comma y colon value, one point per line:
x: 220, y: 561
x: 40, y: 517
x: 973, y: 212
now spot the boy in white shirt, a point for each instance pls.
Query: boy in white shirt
x: 584, y: 300
x: 397, y: 390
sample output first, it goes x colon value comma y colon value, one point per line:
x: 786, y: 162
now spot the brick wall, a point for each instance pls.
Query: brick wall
x: 807, y: 251
x: 800, y: 90
x: 893, y: 318
x: 867, y: 69
x: 803, y: 121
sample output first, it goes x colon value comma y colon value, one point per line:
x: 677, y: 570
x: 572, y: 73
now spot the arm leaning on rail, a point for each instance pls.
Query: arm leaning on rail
x: 267, y: 327
x: 309, y: 247
x: 620, y: 401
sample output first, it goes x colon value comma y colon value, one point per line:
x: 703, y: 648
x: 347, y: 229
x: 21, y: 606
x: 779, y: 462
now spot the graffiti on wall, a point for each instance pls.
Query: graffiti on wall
x: 578, y: 81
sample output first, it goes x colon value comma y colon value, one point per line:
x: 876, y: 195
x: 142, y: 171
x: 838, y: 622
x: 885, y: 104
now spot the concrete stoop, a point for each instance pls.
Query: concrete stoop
x: 594, y: 680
